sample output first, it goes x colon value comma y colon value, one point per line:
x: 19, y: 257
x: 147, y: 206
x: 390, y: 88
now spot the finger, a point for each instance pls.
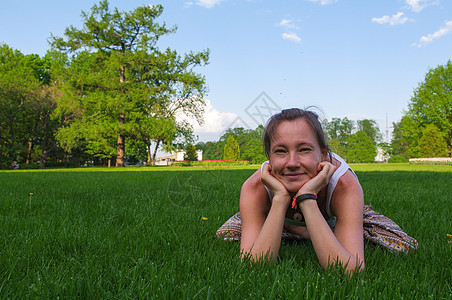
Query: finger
x: 265, y: 173
x: 265, y: 168
x: 326, y: 167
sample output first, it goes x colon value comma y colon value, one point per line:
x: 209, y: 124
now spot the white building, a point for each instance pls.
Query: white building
x: 166, y: 160
x: 382, y: 156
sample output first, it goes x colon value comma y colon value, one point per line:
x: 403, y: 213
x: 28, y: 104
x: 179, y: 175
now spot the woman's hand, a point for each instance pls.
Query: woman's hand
x: 272, y: 183
x: 321, y: 180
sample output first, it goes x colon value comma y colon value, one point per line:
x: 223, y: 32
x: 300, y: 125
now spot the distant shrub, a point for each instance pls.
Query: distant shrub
x: 397, y: 159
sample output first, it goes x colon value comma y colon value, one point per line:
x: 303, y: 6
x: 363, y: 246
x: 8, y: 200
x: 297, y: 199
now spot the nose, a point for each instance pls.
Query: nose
x: 293, y: 161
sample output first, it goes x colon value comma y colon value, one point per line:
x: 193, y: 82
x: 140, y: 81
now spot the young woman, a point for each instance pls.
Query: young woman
x: 305, y: 191
x: 301, y: 171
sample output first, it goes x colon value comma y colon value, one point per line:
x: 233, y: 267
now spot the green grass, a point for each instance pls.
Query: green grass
x: 139, y: 233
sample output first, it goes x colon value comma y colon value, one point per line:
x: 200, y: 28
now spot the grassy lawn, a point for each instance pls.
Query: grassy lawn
x: 139, y: 233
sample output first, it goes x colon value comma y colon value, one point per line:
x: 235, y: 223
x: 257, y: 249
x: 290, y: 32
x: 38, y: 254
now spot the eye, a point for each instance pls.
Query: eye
x: 279, y: 151
x: 305, y: 149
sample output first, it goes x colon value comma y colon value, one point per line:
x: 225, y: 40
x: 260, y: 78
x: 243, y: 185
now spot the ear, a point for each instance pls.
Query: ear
x: 324, y: 154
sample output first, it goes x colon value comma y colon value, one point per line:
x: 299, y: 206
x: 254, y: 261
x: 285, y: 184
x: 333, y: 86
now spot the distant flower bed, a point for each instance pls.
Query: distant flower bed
x: 215, y: 162
x: 432, y: 161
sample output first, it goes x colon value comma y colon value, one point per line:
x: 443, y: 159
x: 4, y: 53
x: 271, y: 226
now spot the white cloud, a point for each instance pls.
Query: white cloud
x: 291, y: 36
x: 214, y: 120
x: 208, y: 3
x: 188, y: 3
x: 419, y: 5
x: 396, y: 19
x: 286, y: 23
x: 289, y: 25
x: 324, y: 2
x: 427, y: 39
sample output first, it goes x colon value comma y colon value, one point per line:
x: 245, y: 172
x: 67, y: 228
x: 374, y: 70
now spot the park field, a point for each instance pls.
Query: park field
x: 102, y: 233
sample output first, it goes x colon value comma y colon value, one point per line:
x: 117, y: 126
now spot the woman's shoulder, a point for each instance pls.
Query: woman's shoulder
x: 348, y: 181
x: 253, y: 190
x: 254, y: 182
x: 347, y: 189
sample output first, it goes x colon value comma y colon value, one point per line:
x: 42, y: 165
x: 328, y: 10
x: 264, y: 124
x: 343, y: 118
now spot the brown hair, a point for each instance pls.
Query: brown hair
x: 293, y: 114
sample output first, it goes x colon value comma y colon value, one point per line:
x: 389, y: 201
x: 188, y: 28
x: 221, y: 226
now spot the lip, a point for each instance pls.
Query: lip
x: 293, y: 176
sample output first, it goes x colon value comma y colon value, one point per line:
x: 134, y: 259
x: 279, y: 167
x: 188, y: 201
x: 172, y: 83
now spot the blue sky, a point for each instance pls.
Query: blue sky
x: 355, y: 59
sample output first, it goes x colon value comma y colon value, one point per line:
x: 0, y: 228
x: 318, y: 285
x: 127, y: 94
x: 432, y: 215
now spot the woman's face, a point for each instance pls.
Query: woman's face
x: 294, y: 154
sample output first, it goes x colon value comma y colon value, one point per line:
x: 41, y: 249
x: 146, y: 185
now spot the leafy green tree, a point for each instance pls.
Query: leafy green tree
x: 249, y: 143
x: 190, y: 153
x: 338, y: 128
x: 253, y: 151
x: 431, y: 102
x: 370, y: 127
x: 42, y: 127
x: 28, y: 99
x: 337, y: 131
x: 251, y: 147
x: 14, y: 92
x: 337, y: 147
x: 231, y: 149
x: 208, y: 149
x: 118, y: 79
x: 405, y: 138
x: 360, y: 148
x: 432, y: 143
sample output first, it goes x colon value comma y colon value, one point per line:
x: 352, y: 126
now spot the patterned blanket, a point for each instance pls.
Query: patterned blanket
x: 377, y: 229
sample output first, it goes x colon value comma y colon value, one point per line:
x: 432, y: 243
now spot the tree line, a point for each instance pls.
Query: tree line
x: 354, y: 141
x: 102, y: 93
x: 425, y: 130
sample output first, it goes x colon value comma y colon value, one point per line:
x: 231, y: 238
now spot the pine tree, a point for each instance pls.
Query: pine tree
x: 190, y: 153
x: 231, y: 149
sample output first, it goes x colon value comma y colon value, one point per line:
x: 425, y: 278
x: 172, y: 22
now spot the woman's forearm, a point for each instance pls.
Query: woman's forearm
x: 268, y: 241
x: 328, y: 249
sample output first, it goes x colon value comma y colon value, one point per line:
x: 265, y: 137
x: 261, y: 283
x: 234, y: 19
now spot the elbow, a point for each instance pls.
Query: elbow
x: 351, y: 267
x: 357, y: 270
x: 258, y: 257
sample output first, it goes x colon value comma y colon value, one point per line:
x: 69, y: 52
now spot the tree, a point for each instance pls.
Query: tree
x: 337, y: 132
x: 231, y: 149
x: 27, y: 100
x: 405, y: 138
x: 337, y: 147
x: 360, y: 148
x: 190, y: 153
x: 208, y: 150
x: 432, y: 143
x: 370, y: 127
x: 16, y: 85
x: 251, y: 146
x: 118, y: 79
x: 338, y: 128
x: 42, y: 126
x: 431, y: 102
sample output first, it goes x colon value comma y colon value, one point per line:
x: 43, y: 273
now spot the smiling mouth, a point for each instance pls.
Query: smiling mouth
x: 294, y: 175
